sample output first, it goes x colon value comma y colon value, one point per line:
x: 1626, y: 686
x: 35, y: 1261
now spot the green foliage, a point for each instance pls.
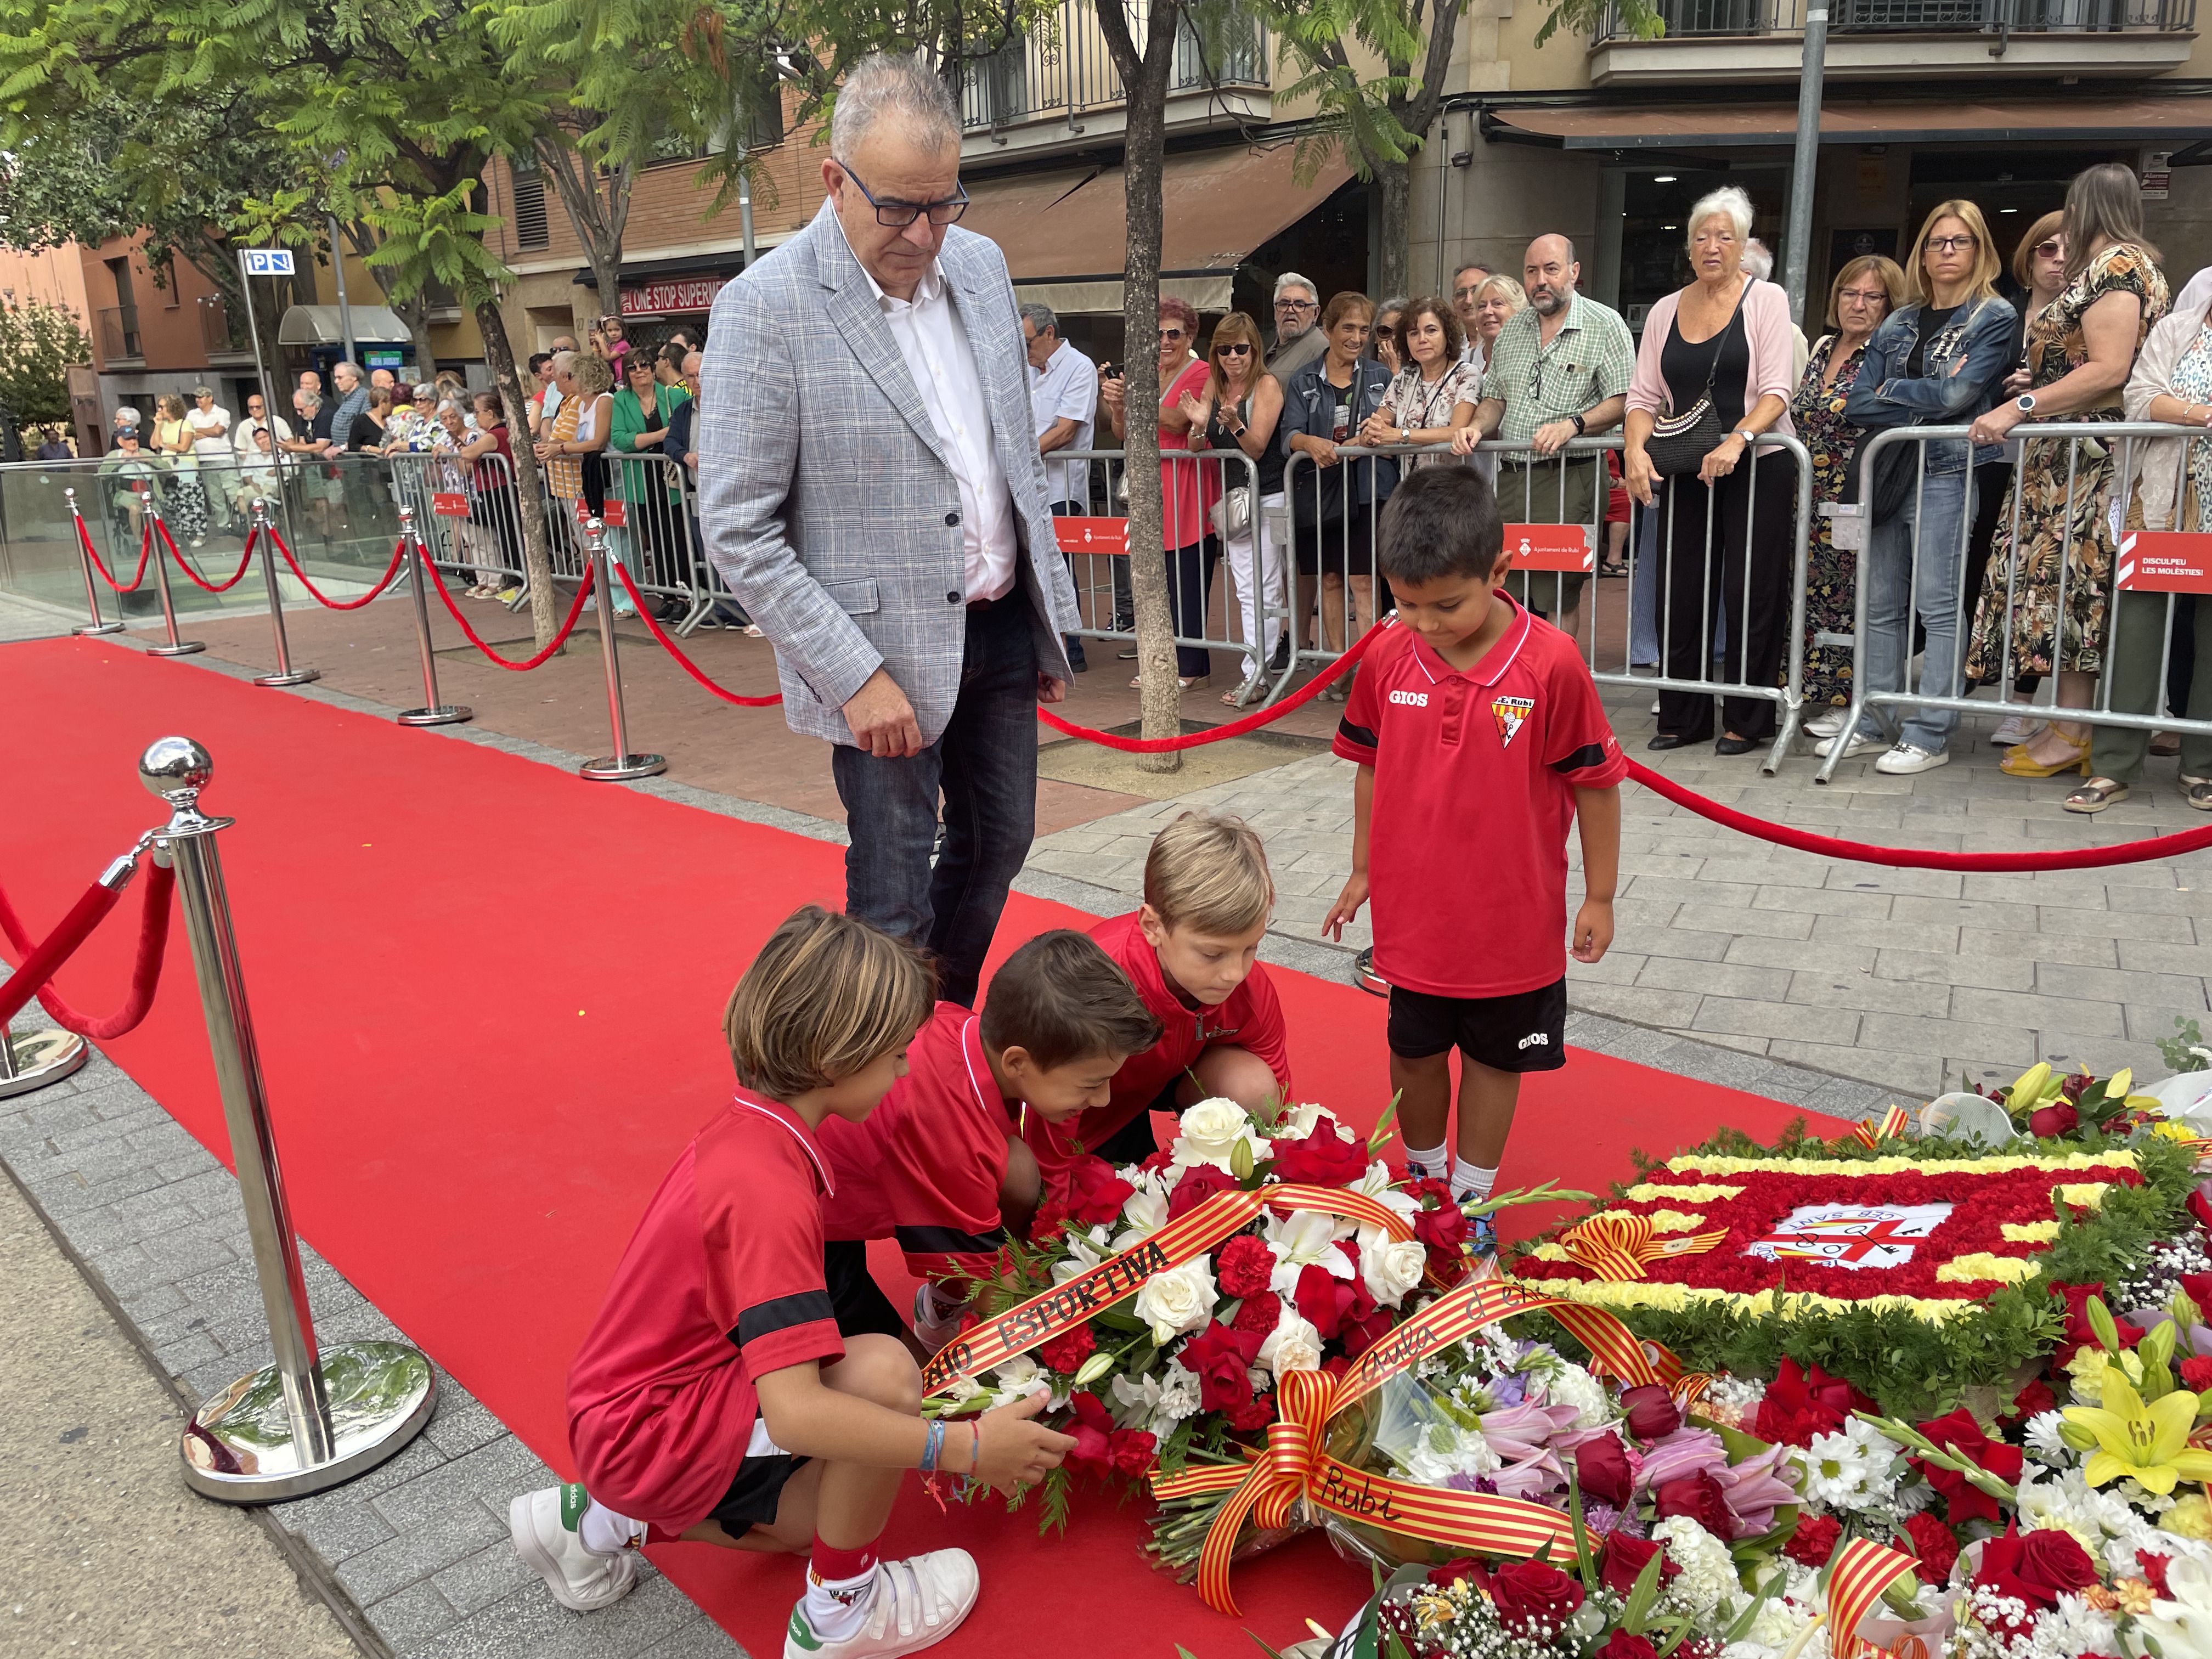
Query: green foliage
x: 1638, y: 18
x: 38, y: 343
x: 2184, y: 1050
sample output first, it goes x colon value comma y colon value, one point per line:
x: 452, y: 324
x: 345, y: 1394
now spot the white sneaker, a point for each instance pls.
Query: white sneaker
x: 544, y: 1534
x: 1908, y: 759
x: 931, y: 1333
x: 1853, y: 744
x: 916, y: 1604
x: 2013, y: 729
x: 1655, y: 705
x: 1826, y: 726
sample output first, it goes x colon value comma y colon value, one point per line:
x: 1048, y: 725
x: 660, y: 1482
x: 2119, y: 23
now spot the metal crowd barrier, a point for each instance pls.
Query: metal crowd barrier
x: 2131, y: 574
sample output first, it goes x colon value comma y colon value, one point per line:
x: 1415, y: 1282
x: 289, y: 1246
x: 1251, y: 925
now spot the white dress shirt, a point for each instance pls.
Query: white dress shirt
x: 280, y: 431
x: 1067, y: 389
x: 938, y: 355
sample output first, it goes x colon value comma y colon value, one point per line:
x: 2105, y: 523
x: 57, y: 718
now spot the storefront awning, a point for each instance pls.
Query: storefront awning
x: 2177, y: 120
x: 314, y: 325
x: 1065, y: 233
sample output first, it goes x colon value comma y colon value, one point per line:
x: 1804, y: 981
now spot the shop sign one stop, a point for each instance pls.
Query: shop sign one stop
x: 269, y: 262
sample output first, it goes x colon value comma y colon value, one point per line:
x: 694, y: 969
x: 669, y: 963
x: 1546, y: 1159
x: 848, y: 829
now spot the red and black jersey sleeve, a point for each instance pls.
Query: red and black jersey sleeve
x: 1579, y: 743
x: 771, y: 1264
x: 945, y: 1170
x: 1359, y: 732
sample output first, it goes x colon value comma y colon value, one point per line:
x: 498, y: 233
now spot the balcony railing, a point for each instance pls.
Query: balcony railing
x: 1758, y: 17
x: 220, y: 334
x: 1062, y: 67
x: 119, y: 333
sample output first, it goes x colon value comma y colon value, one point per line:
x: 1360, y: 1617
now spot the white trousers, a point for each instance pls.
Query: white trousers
x: 1257, y: 592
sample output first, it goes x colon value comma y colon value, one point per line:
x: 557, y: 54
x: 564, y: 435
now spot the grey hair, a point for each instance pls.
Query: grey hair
x: 308, y: 400
x: 1291, y: 279
x: 1397, y: 302
x: 452, y: 406
x: 1759, y: 260
x: 692, y: 357
x: 1729, y: 203
x: 901, y: 86
x: 1039, y: 317
x: 127, y: 415
x: 349, y: 367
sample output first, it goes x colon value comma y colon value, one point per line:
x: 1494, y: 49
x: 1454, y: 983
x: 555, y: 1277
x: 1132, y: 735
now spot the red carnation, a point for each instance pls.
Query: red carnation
x: 1602, y: 1469
x: 2074, y: 1084
x: 1323, y: 1159
x: 1162, y: 1159
x: 1092, y: 1428
x: 1133, y: 1451
x: 1065, y: 1352
x: 1799, y: 1404
x: 2153, y: 1566
x: 1814, y: 1540
x: 2197, y: 1372
x: 1091, y: 1192
x: 1261, y: 1313
x: 2059, y: 1118
x: 1199, y: 1183
x: 1250, y: 1416
x: 1958, y: 1432
x: 1220, y: 1358
x: 1935, y: 1545
x: 2031, y: 1401
x: 1621, y: 1645
x: 1699, y: 1497
x: 1652, y: 1412
x: 1532, y: 1596
x: 1244, y: 1266
x: 1049, y: 1222
x: 1622, y: 1560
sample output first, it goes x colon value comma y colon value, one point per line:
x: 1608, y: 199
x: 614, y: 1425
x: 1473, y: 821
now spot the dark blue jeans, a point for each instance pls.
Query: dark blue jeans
x: 984, y: 766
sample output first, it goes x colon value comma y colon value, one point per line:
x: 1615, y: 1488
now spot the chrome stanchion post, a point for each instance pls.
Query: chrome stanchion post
x: 314, y: 1418
x: 432, y: 713
x: 622, y: 763
x: 91, y: 586
x: 33, y: 1060
x: 158, y: 553
x: 285, y: 674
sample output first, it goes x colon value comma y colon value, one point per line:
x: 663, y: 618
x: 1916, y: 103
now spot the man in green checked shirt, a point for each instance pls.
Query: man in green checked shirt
x: 1559, y: 371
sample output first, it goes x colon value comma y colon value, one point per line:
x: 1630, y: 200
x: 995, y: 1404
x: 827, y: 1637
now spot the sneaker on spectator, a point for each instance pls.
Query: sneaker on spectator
x: 1825, y: 726
x: 931, y: 1332
x: 1482, y: 1236
x: 2014, y: 730
x: 1853, y: 744
x: 1906, y: 758
x: 543, y: 1529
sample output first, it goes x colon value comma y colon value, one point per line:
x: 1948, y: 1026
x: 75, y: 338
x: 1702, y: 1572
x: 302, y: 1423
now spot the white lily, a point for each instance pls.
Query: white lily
x: 1303, y: 1239
x: 1375, y: 1184
x: 1081, y: 1259
x: 2181, y: 1621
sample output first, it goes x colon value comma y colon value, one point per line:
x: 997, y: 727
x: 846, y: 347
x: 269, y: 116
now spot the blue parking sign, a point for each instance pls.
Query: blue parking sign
x: 269, y: 262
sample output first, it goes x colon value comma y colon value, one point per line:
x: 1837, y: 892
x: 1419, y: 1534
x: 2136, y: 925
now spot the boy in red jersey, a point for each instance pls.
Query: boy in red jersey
x: 1192, y: 951
x: 940, y: 1165
x: 1479, y: 736
x: 714, y: 1400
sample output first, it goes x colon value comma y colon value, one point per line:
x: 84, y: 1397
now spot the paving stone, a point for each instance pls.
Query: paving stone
x: 1771, y: 924
x: 412, y: 1616
x: 2175, y: 991
x: 1884, y: 933
x: 1904, y: 1034
x: 488, y: 1576
x: 1742, y: 1045
x: 703, y: 1640
x: 1680, y: 944
x: 531, y: 1622
x: 1758, y: 952
x: 1838, y: 1026
x: 1645, y: 1006
x: 1710, y: 976
x: 1964, y: 913
x: 2158, y: 956
x: 1824, y: 901
x: 1867, y: 993
x: 492, y: 1473
x: 2057, y: 920
x: 2076, y: 1014
x: 418, y: 1551
x: 1915, y: 1072
x: 1987, y: 972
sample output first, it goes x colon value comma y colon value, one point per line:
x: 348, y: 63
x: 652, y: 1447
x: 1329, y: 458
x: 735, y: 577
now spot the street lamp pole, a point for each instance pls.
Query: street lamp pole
x: 1797, y: 240
x: 345, y: 312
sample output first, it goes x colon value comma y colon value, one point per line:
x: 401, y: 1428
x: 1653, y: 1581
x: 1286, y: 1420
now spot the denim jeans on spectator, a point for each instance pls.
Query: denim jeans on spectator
x: 1942, y: 504
x: 985, y: 766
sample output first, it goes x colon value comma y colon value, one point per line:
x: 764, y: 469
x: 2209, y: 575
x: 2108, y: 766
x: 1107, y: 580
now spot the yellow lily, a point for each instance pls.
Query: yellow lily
x: 2149, y: 1442
x: 2026, y: 1091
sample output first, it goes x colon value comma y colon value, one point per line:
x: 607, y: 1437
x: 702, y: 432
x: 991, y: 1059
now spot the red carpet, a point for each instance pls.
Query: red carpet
x: 488, y: 995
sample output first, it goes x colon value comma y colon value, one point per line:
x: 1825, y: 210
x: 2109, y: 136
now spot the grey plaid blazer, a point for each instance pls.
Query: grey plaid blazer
x: 824, y: 495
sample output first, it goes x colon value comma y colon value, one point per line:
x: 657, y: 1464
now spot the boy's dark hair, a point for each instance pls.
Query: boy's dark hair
x: 827, y: 996
x: 1063, y: 997
x: 539, y: 359
x: 1441, y: 522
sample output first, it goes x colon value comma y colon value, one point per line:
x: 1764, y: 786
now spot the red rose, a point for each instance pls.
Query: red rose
x: 1321, y: 1159
x: 1091, y: 1192
x: 1799, y: 1404
x: 1323, y: 1300
x: 1621, y: 1645
x: 1219, y: 1357
x: 1814, y: 1540
x: 1444, y: 1229
x: 2074, y: 1084
x: 1622, y: 1559
x: 2197, y: 1287
x: 1459, y: 1567
x: 2154, y: 1565
x: 2059, y: 1118
x: 2077, y: 1318
x: 1602, y: 1468
x: 1425, y: 1192
x: 1251, y: 1415
x: 1244, y: 1266
x: 1065, y: 1352
x: 2197, y: 1372
x: 2036, y: 1570
x: 2032, y: 1401
x: 1093, y: 1430
x: 1530, y: 1595
x: 1261, y: 1313
x: 1699, y: 1497
x: 1934, y: 1545
x: 2201, y: 1208
x: 1652, y: 1413
x: 1362, y: 1330
x: 1960, y: 1432
x: 1133, y: 1451
x: 1199, y: 1183
x: 1162, y: 1159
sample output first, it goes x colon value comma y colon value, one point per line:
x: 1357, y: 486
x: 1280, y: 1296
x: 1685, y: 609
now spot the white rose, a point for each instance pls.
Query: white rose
x: 1180, y: 1299
x: 1293, y: 1346
x: 1392, y: 1267
x: 1210, y: 1132
x: 1300, y: 1121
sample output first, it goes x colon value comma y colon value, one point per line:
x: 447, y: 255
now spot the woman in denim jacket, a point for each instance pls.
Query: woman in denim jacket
x: 1938, y: 361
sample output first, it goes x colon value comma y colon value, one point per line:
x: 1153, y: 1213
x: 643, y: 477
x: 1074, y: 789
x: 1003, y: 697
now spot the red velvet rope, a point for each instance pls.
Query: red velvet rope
x: 670, y: 646
x: 199, y: 580
x: 145, y: 553
x: 36, y: 974
x: 575, y: 610
x: 391, y: 575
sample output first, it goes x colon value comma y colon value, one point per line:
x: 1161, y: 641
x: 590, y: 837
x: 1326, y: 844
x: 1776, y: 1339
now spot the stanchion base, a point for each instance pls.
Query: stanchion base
x: 182, y: 649
x: 297, y: 676
x: 42, y: 1057
x: 237, y: 1448
x: 613, y: 768
x: 87, y: 632
x: 446, y: 714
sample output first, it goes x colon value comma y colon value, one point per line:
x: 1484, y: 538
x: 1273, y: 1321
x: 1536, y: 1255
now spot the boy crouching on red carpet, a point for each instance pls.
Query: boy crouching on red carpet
x: 1192, y: 951
x: 1480, y: 737
x: 940, y: 1165
x: 714, y: 1400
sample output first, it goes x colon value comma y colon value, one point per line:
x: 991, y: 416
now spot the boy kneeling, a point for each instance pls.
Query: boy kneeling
x: 714, y: 1400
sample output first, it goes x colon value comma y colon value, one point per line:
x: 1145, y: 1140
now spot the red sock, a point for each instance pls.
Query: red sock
x: 836, y: 1566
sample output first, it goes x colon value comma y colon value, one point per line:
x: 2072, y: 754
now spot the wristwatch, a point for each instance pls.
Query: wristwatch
x: 2025, y: 402
x: 1747, y: 439
x: 1581, y: 427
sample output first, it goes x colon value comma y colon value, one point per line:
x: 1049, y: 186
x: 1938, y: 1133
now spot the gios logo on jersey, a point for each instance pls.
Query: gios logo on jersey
x: 1411, y: 699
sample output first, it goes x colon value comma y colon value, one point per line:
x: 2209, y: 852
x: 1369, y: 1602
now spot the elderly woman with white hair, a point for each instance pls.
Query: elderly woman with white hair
x: 1712, y: 374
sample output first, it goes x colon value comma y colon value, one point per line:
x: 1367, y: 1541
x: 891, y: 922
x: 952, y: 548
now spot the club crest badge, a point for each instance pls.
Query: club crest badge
x: 1509, y: 712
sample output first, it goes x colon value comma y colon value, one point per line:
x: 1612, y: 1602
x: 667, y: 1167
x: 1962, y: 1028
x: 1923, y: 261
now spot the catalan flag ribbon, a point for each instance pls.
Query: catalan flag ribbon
x: 1859, y: 1571
x: 1623, y: 1246
x: 1895, y: 1123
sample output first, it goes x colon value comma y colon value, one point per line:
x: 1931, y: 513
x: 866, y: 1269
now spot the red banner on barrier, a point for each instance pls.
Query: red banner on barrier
x: 449, y: 504
x: 612, y: 515
x: 1109, y: 536
x: 2165, y: 561
x: 1550, y: 547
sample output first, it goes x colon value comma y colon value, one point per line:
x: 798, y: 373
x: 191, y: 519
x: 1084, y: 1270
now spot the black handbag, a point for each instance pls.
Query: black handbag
x: 1679, y: 443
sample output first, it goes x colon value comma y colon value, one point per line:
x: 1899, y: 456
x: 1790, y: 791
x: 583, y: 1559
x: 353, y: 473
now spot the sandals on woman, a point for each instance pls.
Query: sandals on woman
x: 2098, y: 793
x: 2197, y: 792
x: 2020, y: 763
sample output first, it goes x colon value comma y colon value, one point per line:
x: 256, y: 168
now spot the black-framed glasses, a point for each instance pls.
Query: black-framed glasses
x: 894, y: 215
x: 1167, y: 334
x: 1949, y: 244
x: 1297, y: 305
x: 1239, y: 350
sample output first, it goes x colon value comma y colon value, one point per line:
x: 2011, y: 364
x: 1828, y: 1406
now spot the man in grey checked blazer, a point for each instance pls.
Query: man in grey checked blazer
x: 871, y: 489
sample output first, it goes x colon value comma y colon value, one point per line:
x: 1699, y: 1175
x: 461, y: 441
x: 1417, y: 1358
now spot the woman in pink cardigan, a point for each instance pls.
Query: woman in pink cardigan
x: 1729, y: 525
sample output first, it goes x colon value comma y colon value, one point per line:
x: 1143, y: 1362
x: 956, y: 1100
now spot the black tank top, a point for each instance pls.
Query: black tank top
x: 1269, y: 460
x: 1725, y: 360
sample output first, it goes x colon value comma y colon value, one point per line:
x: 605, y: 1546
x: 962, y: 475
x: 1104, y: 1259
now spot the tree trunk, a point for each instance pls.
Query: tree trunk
x: 599, y: 221
x: 1394, y: 189
x: 529, y: 493
x: 1144, y: 83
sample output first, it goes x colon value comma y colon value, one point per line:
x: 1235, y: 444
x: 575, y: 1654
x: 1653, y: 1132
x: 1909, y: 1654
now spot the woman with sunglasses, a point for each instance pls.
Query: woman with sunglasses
x: 1238, y: 409
x: 1384, y: 344
x: 1188, y: 488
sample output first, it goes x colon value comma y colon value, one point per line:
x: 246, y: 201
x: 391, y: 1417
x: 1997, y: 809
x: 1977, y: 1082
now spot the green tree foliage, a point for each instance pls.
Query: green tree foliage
x: 38, y: 343
x: 1638, y: 18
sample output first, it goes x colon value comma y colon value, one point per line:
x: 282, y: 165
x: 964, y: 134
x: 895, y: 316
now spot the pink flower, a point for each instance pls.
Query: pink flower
x: 1754, y: 1491
x: 1684, y: 1453
x: 1533, y: 1480
x: 1523, y: 1430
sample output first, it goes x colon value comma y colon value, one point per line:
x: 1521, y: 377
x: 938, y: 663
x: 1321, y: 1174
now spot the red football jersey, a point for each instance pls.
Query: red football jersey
x: 927, y: 1166
x: 722, y: 1282
x: 1475, y: 775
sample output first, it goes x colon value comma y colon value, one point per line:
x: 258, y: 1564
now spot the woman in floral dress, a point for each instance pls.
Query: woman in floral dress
x: 1865, y: 291
x: 2080, y: 351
